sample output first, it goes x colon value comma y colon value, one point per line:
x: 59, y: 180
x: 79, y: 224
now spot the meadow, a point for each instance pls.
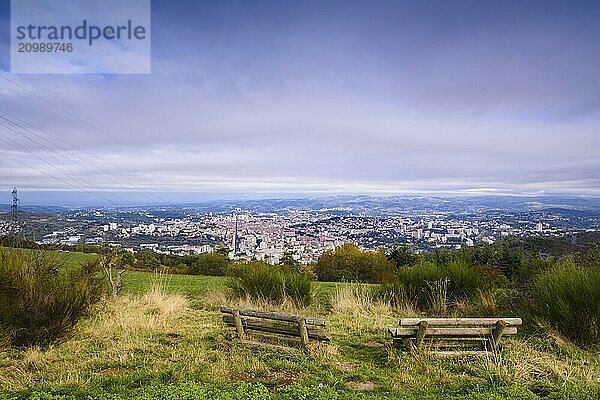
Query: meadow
x: 163, y: 338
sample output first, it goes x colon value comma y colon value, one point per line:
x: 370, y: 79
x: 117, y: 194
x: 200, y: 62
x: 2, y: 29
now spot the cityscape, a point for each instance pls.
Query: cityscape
x: 267, y: 230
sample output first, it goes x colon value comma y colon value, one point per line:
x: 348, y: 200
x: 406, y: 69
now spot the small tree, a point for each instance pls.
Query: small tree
x: 209, y: 264
x: 403, y: 256
x: 288, y: 261
x: 41, y: 298
x: 348, y: 263
x: 113, y: 266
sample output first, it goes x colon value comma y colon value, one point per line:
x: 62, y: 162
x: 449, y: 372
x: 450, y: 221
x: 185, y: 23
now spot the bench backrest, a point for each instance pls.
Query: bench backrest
x: 460, y: 321
x: 413, y: 331
x: 274, y: 323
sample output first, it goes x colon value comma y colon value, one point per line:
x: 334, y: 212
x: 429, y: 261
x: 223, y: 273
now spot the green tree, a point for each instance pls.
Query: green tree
x: 126, y: 259
x: 349, y: 263
x: 223, y: 250
x: 147, y: 259
x: 288, y: 262
x: 213, y: 264
x: 403, y: 256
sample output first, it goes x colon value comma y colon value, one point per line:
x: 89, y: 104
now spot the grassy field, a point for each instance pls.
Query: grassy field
x: 163, y: 338
x: 67, y: 258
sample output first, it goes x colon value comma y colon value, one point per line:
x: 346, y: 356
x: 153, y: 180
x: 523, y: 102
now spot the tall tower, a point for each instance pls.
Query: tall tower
x: 235, y: 243
x: 15, y: 204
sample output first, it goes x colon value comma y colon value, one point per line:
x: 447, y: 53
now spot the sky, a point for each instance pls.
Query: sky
x: 304, y: 97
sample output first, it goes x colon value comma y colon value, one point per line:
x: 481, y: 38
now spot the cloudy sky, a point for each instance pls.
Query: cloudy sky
x: 325, y: 96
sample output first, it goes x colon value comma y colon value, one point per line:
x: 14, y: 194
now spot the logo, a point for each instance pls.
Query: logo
x: 80, y: 36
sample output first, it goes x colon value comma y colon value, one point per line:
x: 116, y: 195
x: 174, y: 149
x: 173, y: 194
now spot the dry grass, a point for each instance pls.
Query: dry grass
x: 157, y: 336
x: 115, y: 336
x: 154, y: 310
x: 437, y: 296
x: 356, y: 299
x: 213, y: 299
x: 356, y: 312
x: 484, y: 303
x: 528, y: 361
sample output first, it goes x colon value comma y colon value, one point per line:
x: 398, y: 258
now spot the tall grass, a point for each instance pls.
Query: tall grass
x: 431, y: 287
x: 40, y: 299
x: 261, y: 282
x: 568, y: 297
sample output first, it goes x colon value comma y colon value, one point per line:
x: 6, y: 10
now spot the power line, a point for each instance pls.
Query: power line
x: 58, y: 179
x: 53, y: 167
x: 45, y: 100
x: 75, y: 117
x: 88, y: 161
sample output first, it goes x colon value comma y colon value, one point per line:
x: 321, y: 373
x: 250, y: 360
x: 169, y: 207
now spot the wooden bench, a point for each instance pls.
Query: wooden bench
x: 272, y: 325
x: 443, y: 335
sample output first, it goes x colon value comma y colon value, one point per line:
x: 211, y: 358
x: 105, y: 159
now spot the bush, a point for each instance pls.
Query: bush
x: 348, y: 263
x: 40, y: 299
x: 403, y: 256
x: 260, y: 281
x: 568, y: 297
x: 147, y: 259
x: 213, y: 264
x: 427, y: 285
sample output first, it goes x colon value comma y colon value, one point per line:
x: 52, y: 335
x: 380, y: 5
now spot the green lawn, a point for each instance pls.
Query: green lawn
x: 193, y: 287
x: 67, y: 258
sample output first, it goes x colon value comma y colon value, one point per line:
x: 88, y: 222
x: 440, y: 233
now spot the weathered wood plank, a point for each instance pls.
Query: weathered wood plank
x: 276, y: 327
x: 421, y: 333
x: 459, y: 353
x: 303, y: 332
x: 497, y: 333
x: 440, y: 335
x: 274, y: 315
x: 238, y: 324
x: 459, y: 321
x: 448, y: 332
x: 435, y: 343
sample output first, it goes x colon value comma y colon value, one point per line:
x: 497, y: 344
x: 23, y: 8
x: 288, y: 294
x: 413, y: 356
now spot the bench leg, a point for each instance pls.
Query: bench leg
x: 497, y: 333
x: 410, y: 346
x: 421, y: 333
x: 303, y: 332
x: 239, y: 327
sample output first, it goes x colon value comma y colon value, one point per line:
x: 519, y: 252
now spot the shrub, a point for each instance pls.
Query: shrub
x: 260, y: 281
x: 428, y: 285
x: 568, y: 298
x: 463, y: 279
x: 348, y: 263
x: 147, y: 259
x: 213, y: 264
x: 40, y: 299
x: 403, y: 256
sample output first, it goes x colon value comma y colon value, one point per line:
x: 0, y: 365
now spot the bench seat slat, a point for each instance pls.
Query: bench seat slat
x: 274, y: 316
x: 275, y: 327
x: 460, y: 353
x: 448, y: 332
x: 459, y: 321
